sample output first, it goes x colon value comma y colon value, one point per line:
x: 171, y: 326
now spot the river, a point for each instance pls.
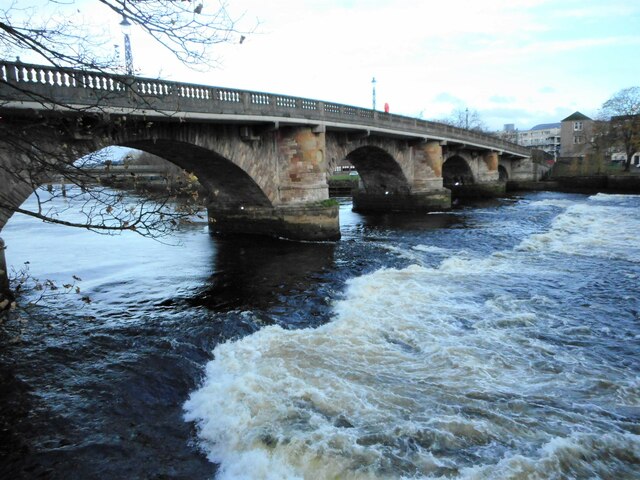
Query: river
x: 498, y: 341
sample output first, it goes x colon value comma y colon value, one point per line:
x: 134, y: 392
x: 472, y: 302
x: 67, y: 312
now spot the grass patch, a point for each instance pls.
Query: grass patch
x: 329, y: 202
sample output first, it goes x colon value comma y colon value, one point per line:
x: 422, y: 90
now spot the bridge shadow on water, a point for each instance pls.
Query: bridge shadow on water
x: 409, y: 221
x: 371, y: 224
x: 267, y: 274
x: 261, y: 273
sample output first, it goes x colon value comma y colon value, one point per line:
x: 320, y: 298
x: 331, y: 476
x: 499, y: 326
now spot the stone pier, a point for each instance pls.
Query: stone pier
x: 312, y: 221
x: 301, y: 208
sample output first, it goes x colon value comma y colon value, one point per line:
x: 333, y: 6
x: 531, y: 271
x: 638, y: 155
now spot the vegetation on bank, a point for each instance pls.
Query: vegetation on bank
x: 341, y: 177
x: 329, y: 202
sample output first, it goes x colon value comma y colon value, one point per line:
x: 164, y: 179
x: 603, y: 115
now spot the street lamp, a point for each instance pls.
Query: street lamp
x: 125, y: 26
x: 373, y: 82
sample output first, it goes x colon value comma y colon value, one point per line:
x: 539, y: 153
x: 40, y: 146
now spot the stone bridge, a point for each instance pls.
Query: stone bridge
x: 264, y: 159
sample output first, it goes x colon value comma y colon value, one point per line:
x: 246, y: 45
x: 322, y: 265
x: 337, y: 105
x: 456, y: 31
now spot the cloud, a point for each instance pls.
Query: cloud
x: 611, y: 9
x: 445, y: 97
x: 501, y: 99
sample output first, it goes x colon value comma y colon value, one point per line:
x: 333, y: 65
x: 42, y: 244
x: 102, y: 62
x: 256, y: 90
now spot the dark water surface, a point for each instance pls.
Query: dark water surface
x: 499, y: 341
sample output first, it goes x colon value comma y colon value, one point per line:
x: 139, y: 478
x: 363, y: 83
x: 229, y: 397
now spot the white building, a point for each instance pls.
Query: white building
x: 622, y: 157
x: 545, y: 136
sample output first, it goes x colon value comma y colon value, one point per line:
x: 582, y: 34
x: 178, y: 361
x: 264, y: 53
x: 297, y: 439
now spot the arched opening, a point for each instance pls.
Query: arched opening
x: 456, y: 173
x: 137, y: 170
x: 503, y: 175
x: 226, y: 184
x: 378, y: 170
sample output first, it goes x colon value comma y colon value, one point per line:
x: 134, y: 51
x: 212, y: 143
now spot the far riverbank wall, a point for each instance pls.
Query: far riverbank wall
x: 629, y: 184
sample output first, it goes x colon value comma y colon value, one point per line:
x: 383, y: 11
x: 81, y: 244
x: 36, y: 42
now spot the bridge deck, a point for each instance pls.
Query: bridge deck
x: 25, y: 86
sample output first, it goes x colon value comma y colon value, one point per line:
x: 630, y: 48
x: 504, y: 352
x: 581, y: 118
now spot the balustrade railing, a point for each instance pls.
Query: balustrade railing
x: 64, y: 82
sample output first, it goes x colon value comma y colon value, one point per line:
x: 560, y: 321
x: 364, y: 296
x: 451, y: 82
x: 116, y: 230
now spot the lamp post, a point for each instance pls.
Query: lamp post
x: 373, y: 83
x: 125, y: 26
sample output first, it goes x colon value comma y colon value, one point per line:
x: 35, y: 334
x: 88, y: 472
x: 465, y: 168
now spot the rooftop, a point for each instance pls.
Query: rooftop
x: 576, y: 116
x: 546, y: 126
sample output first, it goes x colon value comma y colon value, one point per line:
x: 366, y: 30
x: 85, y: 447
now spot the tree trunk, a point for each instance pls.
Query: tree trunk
x: 5, y: 293
x: 627, y: 163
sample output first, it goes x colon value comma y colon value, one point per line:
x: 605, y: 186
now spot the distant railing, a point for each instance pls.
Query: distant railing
x: 64, y: 86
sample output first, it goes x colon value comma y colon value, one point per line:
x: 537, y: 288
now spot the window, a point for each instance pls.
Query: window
x: 577, y: 126
x: 578, y: 139
x: 636, y: 159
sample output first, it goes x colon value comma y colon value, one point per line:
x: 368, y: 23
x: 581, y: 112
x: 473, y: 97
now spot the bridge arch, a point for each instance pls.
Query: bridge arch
x: 230, y: 169
x: 503, y: 174
x: 378, y: 169
x: 229, y: 184
x: 226, y: 183
x: 456, y: 171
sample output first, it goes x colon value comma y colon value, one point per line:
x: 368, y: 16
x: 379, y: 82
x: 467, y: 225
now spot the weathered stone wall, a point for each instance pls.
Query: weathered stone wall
x: 427, y: 166
x: 302, y: 165
x: 525, y: 170
x: 589, y: 164
x: 310, y: 221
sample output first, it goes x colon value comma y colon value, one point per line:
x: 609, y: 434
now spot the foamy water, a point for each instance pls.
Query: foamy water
x: 479, y: 368
x: 606, y: 226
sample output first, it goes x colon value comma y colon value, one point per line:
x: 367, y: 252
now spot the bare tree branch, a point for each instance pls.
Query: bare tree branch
x: 622, y: 128
x: 50, y: 150
x: 465, y: 118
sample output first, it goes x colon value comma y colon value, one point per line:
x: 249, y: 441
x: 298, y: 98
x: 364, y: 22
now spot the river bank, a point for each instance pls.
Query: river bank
x: 588, y: 184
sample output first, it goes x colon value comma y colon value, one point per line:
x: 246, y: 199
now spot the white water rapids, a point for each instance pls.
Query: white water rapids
x: 479, y: 368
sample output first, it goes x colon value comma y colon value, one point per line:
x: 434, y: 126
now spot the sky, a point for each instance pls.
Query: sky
x: 524, y: 62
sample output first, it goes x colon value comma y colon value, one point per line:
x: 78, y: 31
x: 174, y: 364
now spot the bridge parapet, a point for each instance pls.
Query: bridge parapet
x: 62, y: 88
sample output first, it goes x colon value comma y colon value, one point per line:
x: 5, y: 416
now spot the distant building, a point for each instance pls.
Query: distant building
x: 576, y: 132
x: 621, y: 157
x: 545, y: 136
x: 344, y: 165
x: 570, y: 138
